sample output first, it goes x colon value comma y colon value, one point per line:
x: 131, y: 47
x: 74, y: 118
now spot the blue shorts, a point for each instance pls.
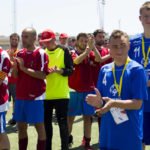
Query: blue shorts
x: 29, y: 111
x: 78, y: 105
x: 2, y: 122
x: 146, y: 130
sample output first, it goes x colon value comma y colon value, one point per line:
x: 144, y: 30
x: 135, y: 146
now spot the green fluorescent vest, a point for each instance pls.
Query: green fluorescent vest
x: 57, y: 85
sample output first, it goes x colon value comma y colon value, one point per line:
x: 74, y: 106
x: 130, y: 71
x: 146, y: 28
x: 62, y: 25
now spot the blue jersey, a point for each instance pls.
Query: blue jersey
x: 136, y: 54
x: 127, y: 135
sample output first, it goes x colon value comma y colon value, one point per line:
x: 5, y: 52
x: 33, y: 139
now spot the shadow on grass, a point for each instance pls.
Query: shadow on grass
x: 94, y: 119
x: 78, y: 120
x: 11, y: 129
x: 54, y: 120
x: 94, y: 147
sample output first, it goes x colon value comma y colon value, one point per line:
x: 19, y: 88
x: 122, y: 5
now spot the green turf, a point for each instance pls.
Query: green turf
x: 77, y: 133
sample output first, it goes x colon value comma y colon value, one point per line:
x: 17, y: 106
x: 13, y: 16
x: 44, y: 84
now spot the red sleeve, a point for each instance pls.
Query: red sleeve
x: 46, y: 62
x: 6, y: 65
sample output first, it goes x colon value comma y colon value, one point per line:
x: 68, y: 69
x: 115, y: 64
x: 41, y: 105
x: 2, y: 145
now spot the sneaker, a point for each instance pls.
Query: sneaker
x: 12, y: 122
x: 70, y: 142
x: 86, y: 143
x: 87, y: 147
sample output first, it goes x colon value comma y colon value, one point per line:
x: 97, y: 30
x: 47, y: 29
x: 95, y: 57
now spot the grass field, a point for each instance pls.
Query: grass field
x: 77, y: 133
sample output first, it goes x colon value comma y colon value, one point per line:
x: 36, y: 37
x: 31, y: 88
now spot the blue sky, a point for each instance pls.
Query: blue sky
x: 70, y: 16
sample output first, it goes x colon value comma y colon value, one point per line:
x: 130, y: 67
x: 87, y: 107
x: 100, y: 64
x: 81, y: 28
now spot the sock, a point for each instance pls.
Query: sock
x: 83, y: 141
x: 23, y: 144
x: 41, y: 144
x: 87, y: 141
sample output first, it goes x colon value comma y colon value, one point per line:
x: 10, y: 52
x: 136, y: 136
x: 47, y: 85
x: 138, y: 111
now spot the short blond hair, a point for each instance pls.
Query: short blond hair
x: 118, y: 34
x: 146, y: 6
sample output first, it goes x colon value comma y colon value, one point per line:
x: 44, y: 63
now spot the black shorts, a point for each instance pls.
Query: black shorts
x: 146, y: 128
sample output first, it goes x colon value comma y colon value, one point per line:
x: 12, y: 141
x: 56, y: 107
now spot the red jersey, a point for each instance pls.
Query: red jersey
x: 27, y: 87
x: 5, y: 67
x: 82, y: 80
x: 97, y: 66
x: 12, y: 79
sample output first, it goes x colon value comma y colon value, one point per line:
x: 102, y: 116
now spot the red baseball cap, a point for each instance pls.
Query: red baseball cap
x: 47, y: 35
x: 63, y: 36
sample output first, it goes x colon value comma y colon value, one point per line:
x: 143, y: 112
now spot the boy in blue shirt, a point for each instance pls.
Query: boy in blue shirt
x: 139, y: 51
x: 121, y: 89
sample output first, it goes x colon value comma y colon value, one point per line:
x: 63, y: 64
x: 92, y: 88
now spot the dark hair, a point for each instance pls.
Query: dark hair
x: 118, y: 34
x: 146, y: 6
x: 98, y: 31
x: 82, y: 35
x: 39, y: 35
x: 14, y: 34
x: 73, y: 39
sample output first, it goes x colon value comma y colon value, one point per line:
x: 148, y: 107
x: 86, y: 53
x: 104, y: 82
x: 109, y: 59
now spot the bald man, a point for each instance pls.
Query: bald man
x: 31, y: 69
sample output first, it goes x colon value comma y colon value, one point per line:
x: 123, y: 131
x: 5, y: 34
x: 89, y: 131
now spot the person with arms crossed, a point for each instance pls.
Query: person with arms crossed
x: 121, y: 90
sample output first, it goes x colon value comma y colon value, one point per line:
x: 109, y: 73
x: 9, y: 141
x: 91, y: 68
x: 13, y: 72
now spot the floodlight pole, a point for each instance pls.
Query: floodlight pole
x: 14, y: 25
x: 101, y: 13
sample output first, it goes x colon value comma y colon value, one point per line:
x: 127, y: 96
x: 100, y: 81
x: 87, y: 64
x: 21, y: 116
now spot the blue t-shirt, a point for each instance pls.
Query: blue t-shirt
x: 127, y: 135
x: 136, y: 54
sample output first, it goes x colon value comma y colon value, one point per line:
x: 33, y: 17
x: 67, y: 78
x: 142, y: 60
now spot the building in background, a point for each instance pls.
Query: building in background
x: 4, y: 42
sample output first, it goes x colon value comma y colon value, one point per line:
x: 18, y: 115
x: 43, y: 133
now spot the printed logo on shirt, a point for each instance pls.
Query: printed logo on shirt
x: 137, y: 52
x: 104, y: 80
x: 137, y: 42
x: 113, y: 90
x: 5, y: 68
